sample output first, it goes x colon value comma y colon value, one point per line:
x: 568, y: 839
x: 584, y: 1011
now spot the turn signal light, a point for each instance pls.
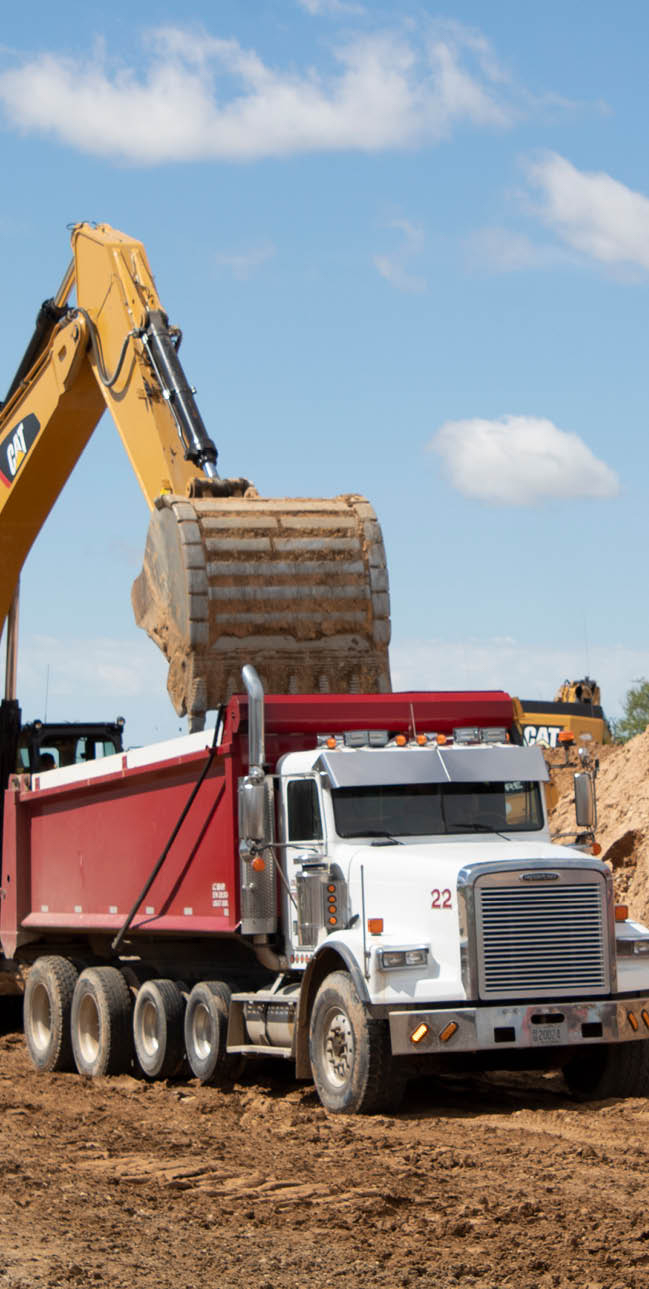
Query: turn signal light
x: 596, y: 848
x: 621, y: 912
x: 566, y: 736
x: 258, y: 864
x: 375, y: 926
x: 419, y: 1033
x: 448, y: 1031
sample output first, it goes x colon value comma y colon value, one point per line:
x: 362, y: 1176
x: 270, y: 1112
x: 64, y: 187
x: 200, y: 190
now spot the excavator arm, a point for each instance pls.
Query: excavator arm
x: 297, y: 587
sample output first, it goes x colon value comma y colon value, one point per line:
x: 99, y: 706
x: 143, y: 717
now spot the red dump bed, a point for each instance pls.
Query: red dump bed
x: 80, y: 843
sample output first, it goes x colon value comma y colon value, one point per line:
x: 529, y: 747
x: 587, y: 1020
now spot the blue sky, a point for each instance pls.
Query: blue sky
x: 408, y: 248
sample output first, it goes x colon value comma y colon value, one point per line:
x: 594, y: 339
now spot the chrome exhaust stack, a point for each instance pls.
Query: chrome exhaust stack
x: 256, y: 741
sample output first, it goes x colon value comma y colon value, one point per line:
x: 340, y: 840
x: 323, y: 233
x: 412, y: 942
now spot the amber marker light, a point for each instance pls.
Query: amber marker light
x: 401, y: 740
x: 419, y: 1033
x: 448, y: 1031
x: 566, y: 736
x: 645, y: 1016
x: 422, y: 740
x: 621, y: 912
x: 332, y: 921
x: 331, y: 742
x: 259, y: 864
x: 633, y: 1021
x: 596, y: 848
x: 440, y: 738
x: 375, y: 926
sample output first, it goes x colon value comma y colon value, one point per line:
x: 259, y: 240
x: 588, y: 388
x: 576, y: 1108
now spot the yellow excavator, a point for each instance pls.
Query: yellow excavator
x: 575, y: 712
x: 297, y: 587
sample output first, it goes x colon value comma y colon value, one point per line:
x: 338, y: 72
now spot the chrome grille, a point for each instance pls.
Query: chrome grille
x: 542, y: 942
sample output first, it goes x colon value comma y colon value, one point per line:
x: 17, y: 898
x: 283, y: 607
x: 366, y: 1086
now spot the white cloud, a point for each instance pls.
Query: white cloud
x: 203, y: 98
x: 592, y: 212
x: 327, y: 8
x: 521, y: 668
x: 242, y: 265
x: 501, y: 250
x: 519, y: 461
x: 394, y: 268
x: 97, y: 679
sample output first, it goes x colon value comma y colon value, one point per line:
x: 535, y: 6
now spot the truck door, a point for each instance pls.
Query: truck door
x: 303, y: 829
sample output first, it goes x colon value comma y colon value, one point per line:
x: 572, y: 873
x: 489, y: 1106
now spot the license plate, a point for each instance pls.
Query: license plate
x: 547, y: 1034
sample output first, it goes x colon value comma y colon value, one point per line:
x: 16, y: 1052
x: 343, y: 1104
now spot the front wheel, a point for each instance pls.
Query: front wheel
x: 610, y: 1070
x: 350, y: 1051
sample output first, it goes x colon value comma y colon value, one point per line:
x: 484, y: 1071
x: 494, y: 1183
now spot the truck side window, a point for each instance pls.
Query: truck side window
x: 304, y: 822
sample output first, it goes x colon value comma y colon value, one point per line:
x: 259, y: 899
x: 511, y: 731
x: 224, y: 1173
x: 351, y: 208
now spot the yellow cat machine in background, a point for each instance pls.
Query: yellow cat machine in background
x: 576, y: 710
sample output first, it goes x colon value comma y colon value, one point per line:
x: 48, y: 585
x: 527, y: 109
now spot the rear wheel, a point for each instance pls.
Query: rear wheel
x: 46, y: 1013
x: 612, y: 1070
x: 350, y: 1051
x: 206, y: 1028
x: 158, y: 1028
x: 102, y: 1039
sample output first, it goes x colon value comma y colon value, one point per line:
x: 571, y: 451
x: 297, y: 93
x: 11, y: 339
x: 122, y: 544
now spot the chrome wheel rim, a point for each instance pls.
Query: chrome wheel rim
x: 41, y: 1018
x: 149, y: 1028
x: 338, y: 1047
x: 202, y: 1032
x: 88, y: 1029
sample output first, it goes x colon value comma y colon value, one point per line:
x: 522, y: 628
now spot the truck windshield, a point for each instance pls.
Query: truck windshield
x: 419, y: 810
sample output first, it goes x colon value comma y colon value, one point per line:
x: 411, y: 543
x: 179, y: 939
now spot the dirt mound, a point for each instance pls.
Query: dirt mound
x: 623, y: 816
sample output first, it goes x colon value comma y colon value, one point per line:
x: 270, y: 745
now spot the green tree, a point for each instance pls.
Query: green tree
x: 636, y: 711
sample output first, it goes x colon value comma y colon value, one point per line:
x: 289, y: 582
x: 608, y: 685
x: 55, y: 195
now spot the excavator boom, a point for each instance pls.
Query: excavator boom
x: 298, y: 587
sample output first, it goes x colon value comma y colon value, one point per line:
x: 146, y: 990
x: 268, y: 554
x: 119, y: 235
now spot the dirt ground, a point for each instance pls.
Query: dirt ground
x: 476, y: 1181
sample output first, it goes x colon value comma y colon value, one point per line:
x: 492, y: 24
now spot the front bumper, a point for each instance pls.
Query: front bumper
x: 517, y: 1026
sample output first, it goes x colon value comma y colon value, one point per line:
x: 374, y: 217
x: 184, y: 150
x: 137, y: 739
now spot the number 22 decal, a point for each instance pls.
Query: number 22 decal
x: 441, y: 899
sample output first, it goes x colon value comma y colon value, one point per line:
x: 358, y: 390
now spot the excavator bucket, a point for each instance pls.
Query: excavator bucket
x: 297, y: 587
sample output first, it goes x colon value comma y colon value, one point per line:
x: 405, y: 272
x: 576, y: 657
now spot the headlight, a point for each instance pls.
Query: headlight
x: 632, y: 948
x: 389, y: 959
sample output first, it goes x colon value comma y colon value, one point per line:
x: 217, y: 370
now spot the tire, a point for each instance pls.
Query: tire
x: 612, y: 1070
x: 206, y: 1028
x: 158, y: 1029
x: 102, y: 1037
x: 350, y: 1052
x: 47, y: 1008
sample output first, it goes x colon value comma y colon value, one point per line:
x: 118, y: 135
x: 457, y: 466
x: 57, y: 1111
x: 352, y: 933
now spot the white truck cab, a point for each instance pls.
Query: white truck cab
x: 423, y: 899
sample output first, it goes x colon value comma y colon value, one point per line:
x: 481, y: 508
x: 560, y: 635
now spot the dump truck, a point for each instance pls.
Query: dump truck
x: 362, y: 885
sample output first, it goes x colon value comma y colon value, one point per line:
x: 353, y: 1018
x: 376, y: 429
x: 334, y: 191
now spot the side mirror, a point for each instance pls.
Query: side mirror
x: 252, y: 816
x: 585, y: 804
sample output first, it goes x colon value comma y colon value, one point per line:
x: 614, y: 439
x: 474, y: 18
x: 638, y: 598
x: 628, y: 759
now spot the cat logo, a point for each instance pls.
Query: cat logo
x: 16, y: 445
x: 541, y: 735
